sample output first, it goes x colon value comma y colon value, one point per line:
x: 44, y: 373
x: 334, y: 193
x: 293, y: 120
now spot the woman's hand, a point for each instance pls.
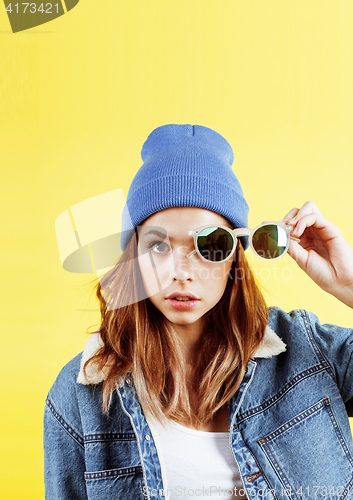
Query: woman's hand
x: 322, y: 251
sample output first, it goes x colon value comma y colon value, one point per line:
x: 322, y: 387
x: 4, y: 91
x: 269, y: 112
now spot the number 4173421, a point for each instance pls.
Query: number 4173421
x: 32, y: 8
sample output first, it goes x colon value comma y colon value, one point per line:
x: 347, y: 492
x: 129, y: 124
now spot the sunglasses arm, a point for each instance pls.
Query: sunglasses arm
x: 192, y: 233
x: 189, y: 255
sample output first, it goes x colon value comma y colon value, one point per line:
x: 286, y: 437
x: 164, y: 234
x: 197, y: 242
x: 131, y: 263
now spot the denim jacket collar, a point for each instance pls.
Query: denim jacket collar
x: 271, y: 345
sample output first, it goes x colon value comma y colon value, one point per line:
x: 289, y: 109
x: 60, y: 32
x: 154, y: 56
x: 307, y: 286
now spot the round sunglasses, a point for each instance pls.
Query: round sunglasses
x: 269, y: 241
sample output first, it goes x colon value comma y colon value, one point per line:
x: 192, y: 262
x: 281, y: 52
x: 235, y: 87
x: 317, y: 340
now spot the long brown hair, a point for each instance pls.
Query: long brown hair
x: 137, y: 339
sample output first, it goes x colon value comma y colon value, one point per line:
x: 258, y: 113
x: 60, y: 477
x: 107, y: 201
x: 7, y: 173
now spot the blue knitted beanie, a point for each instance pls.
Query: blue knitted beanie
x: 184, y: 166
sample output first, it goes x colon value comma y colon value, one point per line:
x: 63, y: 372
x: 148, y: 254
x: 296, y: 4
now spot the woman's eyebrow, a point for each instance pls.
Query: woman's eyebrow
x: 154, y: 231
x: 160, y: 234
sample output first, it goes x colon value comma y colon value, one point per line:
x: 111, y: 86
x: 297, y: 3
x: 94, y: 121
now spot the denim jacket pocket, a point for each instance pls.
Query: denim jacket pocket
x: 115, y: 483
x: 289, y: 449
x: 113, y: 468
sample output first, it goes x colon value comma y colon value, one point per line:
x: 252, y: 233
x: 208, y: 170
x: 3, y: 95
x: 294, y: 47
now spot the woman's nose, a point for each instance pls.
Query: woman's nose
x: 182, y: 275
x: 180, y: 280
x: 182, y: 265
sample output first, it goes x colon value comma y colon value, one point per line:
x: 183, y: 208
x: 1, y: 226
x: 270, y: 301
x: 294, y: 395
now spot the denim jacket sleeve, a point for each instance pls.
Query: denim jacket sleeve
x: 335, y: 345
x: 64, y: 456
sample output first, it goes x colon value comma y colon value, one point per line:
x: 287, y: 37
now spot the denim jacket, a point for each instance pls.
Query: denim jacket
x: 289, y: 431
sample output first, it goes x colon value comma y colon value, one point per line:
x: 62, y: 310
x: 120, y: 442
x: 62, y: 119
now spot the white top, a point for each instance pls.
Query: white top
x: 195, y: 464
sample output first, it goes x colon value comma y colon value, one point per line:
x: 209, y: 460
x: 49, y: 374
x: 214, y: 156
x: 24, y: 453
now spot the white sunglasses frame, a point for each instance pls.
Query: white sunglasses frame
x: 240, y: 232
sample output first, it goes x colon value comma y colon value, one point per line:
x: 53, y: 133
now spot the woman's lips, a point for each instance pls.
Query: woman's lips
x: 182, y: 305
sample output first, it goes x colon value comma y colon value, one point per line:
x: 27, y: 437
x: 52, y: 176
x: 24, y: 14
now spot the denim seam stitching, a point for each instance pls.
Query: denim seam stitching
x: 295, y: 420
x: 345, y: 373
x: 282, y: 476
x: 347, y: 490
x: 109, y: 437
x: 339, y: 435
x: 71, y: 432
x: 127, y: 471
x: 144, y: 475
x: 310, y: 333
x: 293, y: 382
x: 273, y: 492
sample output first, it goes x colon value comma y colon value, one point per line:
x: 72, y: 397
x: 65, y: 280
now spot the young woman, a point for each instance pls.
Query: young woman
x: 192, y: 387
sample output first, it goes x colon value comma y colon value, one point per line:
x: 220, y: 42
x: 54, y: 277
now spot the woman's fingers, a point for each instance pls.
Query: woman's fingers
x: 292, y: 213
x: 309, y: 220
x: 299, y: 254
x: 300, y: 219
x: 322, y: 251
x: 308, y: 208
x: 296, y: 214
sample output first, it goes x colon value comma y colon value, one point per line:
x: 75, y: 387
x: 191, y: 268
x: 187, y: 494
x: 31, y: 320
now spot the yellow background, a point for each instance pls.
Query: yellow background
x: 79, y: 95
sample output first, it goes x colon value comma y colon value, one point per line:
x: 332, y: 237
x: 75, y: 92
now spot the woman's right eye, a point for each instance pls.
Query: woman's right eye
x: 159, y: 247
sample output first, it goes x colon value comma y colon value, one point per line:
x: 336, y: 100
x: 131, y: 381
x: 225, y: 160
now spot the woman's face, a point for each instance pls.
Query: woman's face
x: 165, y: 269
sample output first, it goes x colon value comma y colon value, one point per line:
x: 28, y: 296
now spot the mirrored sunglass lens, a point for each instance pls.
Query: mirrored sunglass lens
x: 215, y: 244
x: 270, y: 241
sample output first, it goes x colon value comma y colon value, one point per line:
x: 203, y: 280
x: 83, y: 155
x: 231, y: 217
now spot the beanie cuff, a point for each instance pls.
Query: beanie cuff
x: 185, y: 191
